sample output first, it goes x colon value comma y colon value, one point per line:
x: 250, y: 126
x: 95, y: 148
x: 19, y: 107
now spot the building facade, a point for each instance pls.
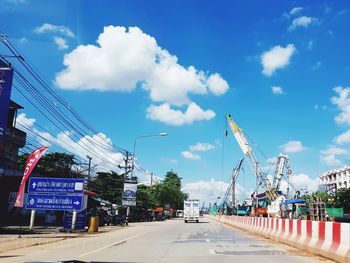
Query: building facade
x: 336, y: 179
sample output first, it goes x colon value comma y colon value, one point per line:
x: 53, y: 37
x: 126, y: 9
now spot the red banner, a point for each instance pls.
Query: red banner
x: 32, y: 160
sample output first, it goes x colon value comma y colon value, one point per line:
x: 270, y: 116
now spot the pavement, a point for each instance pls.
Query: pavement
x: 12, y: 237
x: 169, y: 241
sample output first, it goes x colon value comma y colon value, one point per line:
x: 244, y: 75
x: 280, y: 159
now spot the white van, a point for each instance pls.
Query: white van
x: 191, y: 210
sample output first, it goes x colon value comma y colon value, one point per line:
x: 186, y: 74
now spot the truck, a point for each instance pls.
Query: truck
x: 191, y: 210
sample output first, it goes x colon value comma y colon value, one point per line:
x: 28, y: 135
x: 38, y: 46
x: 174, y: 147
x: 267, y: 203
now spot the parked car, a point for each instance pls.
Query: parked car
x: 179, y: 213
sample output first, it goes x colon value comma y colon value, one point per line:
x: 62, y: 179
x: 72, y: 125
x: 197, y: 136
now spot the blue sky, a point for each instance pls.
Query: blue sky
x: 273, y: 67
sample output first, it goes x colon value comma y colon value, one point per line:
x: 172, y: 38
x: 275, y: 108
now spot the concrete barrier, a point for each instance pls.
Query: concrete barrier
x: 329, y: 239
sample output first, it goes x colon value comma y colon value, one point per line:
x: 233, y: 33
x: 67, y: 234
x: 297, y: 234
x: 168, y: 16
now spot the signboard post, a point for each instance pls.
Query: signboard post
x: 129, y: 197
x: 56, y: 194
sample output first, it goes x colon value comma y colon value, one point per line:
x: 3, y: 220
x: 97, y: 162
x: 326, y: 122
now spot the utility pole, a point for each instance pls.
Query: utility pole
x: 151, y: 179
x: 126, y: 171
x: 89, y: 169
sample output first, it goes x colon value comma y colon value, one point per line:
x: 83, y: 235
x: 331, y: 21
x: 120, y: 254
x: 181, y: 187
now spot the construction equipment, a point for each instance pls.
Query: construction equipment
x: 282, y: 167
x: 232, y: 187
x: 252, y: 160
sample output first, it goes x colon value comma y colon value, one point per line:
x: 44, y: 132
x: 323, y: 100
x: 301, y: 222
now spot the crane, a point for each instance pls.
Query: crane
x: 282, y: 168
x: 232, y: 186
x: 247, y: 150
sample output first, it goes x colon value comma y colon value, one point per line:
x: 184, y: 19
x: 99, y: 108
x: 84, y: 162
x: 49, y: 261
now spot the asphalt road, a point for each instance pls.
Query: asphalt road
x: 170, y: 241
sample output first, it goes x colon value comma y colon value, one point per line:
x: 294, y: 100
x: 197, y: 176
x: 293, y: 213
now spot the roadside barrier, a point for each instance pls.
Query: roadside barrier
x: 329, y: 239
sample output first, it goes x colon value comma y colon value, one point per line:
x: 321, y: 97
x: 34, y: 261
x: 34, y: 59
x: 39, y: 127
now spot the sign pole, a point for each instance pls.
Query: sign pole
x: 74, y: 219
x: 32, y: 218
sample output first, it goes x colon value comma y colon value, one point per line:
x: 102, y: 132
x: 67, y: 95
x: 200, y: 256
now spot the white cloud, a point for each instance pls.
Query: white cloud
x: 98, y: 146
x: 299, y: 182
x: 342, y: 101
x: 50, y: 28
x: 329, y: 155
x: 61, y: 42
x: 124, y: 59
x: 343, y: 138
x: 23, y: 120
x: 277, y: 90
x: 276, y: 58
x: 330, y: 160
x: 190, y: 156
x: 201, y: 147
x: 334, y: 150
x: 166, y: 114
x: 293, y: 147
x: 217, y: 85
x: 303, y: 21
x: 296, y: 10
x: 208, y: 191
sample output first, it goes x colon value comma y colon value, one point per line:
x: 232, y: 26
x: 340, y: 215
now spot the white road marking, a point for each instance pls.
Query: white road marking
x: 117, y: 243
x: 212, y: 251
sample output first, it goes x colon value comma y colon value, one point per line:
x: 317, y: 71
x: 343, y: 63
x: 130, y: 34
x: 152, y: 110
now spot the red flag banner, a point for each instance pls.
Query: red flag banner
x: 32, y: 160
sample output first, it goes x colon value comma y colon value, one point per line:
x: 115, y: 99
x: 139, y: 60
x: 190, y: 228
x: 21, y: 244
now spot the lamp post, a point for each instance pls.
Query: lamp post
x: 139, y: 137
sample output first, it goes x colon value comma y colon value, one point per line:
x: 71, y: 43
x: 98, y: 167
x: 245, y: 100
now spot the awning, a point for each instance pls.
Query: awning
x: 101, y: 201
x: 294, y: 201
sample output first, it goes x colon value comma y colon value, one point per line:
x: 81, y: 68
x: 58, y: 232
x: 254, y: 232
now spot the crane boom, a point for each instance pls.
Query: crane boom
x: 252, y: 160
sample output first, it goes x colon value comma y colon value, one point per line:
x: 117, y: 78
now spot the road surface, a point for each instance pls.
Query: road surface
x: 170, y: 241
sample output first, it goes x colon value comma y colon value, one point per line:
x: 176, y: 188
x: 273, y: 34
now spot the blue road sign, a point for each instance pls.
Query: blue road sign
x: 54, y: 202
x: 79, y: 223
x: 56, y: 185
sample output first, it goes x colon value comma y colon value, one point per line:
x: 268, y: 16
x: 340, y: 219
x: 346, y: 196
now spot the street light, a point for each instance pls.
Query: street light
x: 143, y: 136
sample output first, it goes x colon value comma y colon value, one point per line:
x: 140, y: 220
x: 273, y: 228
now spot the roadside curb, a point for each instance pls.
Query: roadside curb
x: 328, y: 239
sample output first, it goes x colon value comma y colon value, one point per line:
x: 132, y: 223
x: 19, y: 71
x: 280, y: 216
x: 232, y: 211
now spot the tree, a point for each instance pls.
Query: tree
x: 342, y: 199
x: 145, y: 198
x: 53, y: 165
x: 168, y: 192
x: 108, y: 185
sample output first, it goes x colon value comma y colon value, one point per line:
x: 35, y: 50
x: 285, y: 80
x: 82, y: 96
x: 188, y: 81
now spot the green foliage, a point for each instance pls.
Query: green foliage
x: 52, y: 165
x: 319, y: 195
x: 342, y: 199
x: 109, y: 186
x: 168, y: 192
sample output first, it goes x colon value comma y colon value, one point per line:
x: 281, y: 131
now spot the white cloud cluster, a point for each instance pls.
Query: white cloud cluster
x: 199, y: 147
x: 60, y: 42
x: 303, y: 21
x: 63, y: 31
x: 343, y: 138
x: 300, y: 181
x: 98, y: 146
x: 277, y: 90
x: 293, y: 147
x: 51, y: 28
x: 296, y: 10
x: 208, y: 191
x: 330, y: 156
x: 166, y: 114
x: 190, y: 155
x: 342, y: 101
x: 126, y: 58
x: 276, y: 58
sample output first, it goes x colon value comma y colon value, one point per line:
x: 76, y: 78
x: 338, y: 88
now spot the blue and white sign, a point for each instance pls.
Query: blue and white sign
x: 79, y: 223
x: 54, y: 202
x: 56, y: 185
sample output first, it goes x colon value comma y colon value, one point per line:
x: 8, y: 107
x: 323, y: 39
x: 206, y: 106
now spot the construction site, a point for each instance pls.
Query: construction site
x: 268, y: 199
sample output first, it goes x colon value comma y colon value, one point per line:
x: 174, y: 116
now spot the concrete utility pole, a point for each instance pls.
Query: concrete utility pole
x: 89, y: 169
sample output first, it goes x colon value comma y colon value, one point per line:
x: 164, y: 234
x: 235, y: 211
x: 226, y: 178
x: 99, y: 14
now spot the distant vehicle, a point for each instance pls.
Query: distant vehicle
x: 179, y: 213
x: 191, y: 210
